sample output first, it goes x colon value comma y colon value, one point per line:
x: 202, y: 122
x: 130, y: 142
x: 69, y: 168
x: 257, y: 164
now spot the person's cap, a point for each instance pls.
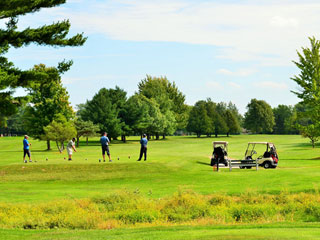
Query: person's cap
x: 26, y: 136
x: 144, y: 135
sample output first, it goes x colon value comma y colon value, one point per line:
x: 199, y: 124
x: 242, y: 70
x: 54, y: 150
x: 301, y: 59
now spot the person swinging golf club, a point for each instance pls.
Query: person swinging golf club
x: 143, y: 149
x: 26, y: 149
x: 104, y: 140
x: 71, y: 147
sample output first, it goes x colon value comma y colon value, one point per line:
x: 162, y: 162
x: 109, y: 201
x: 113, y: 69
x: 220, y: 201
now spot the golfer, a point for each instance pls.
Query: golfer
x: 71, y: 147
x: 26, y: 149
x: 104, y: 140
x: 143, y: 149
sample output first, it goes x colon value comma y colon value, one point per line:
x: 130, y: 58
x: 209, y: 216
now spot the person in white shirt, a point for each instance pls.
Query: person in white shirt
x: 71, y: 147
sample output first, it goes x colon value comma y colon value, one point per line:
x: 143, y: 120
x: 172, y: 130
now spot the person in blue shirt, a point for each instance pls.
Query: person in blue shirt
x: 143, y: 149
x: 26, y: 149
x: 104, y: 140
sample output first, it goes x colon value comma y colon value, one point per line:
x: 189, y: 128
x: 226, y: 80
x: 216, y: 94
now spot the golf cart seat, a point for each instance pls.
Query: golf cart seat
x: 267, y: 155
x: 219, y: 152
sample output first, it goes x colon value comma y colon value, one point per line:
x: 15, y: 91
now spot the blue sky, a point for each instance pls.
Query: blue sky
x: 225, y: 50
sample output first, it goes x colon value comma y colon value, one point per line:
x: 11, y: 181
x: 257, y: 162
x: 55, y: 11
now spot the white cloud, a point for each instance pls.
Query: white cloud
x: 268, y: 32
x: 214, y: 85
x: 271, y: 85
x: 234, y: 85
x: 279, y: 21
x: 238, y: 73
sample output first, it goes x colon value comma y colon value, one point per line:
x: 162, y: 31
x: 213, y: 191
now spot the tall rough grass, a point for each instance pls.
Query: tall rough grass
x: 133, y: 209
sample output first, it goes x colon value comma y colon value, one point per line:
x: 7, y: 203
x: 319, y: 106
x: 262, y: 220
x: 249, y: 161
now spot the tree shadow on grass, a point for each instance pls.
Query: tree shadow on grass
x: 301, y: 145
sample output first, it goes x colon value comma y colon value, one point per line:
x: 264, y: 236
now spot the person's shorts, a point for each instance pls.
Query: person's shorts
x: 69, y: 150
x: 105, y: 148
x: 26, y: 152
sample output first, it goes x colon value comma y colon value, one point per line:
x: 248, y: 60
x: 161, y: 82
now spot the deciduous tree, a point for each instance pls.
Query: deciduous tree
x: 259, y: 117
x: 47, y: 98
x: 199, y: 122
x: 309, y: 88
x: 59, y: 130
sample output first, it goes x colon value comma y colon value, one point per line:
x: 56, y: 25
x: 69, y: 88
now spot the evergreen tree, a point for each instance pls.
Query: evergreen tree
x: 137, y: 115
x: 220, y: 119
x: 10, y: 36
x: 104, y: 110
x: 212, y: 114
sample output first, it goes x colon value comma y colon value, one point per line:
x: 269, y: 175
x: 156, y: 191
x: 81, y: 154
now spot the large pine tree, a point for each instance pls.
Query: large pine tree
x: 52, y: 35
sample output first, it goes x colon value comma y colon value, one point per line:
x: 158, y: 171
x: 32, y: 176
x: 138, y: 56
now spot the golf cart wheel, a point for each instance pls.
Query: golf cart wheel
x: 241, y: 167
x: 267, y: 165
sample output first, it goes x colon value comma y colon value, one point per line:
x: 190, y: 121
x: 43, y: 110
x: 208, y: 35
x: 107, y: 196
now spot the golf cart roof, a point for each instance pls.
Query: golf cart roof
x: 260, y: 143
x: 220, y: 142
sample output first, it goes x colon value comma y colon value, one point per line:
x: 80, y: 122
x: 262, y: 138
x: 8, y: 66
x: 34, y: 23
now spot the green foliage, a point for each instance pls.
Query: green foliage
x: 311, y: 131
x: 199, y: 121
x: 55, y: 34
x: 259, y: 117
x: 85, y: 129
x: 232, y: 122
x: 47, y: 99
x: 309, y: 77
x: 136, y: 114
x: 131, y: 209
x: 171, y: 102
x: 104, y: 110
x: 283, y: 116
x: 207, y: 117
x: 15, y: 123
x: 60, y: 130
x: 309, y: 83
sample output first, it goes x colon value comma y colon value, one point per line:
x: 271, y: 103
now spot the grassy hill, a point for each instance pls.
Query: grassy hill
x: 175, y: 167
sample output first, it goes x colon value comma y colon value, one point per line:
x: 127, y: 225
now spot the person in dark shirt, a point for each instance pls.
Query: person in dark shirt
x: 26, y: 149
x: 143, y: 149
x: 104, y: 140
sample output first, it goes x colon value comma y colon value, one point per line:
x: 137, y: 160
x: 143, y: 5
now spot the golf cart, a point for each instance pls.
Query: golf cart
x: 269, y: 159
x: 220, y: 153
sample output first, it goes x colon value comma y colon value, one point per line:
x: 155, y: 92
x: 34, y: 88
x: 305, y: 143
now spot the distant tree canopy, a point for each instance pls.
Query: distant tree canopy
x: 51, y: 35
x: 259, y: 118
x: 199, y: 121
x: 207, y: 117
x: 284, y: 117
x: 158, y: 109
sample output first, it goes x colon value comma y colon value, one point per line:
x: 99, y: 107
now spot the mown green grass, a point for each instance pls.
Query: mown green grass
x: 177, y: 163
x: 174, y: 165
x: 263, y: 232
